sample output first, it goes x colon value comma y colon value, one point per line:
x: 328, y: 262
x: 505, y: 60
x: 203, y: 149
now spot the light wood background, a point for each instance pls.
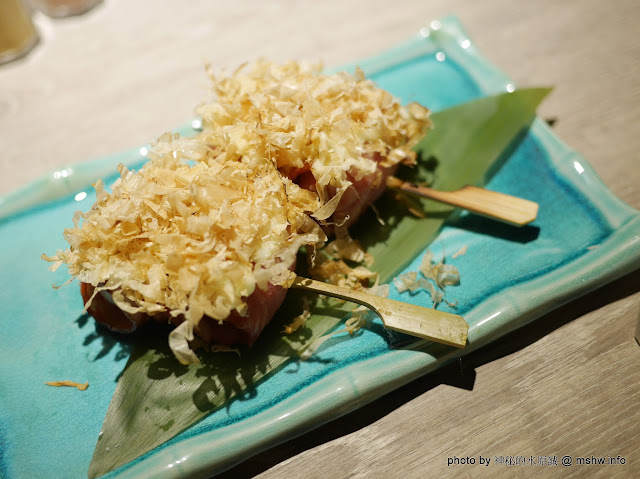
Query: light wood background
x: 569, y: 384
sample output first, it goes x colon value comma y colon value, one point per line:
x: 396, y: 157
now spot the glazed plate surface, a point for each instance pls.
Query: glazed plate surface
x: 583, y: 238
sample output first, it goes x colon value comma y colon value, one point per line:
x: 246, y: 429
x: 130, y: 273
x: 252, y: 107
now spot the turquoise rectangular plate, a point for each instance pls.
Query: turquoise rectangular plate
x: 583, y: 238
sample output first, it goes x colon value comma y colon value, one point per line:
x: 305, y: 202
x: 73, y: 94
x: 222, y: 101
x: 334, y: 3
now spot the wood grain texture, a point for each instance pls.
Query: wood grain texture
x: 567, y: 384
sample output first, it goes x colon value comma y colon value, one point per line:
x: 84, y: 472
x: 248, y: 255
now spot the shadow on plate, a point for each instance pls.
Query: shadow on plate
x: 122, y: 343
x: 489, y: 227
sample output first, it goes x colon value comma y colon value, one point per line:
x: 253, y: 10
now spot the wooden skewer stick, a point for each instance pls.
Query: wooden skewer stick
x: 406, y: 318
x: 507, y: 208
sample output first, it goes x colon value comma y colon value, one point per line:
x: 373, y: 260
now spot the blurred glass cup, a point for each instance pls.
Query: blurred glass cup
x: 64, y: 8
x: 17, y: 33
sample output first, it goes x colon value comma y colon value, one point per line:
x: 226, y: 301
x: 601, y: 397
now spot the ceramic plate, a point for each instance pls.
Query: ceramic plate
x: 583, y: 238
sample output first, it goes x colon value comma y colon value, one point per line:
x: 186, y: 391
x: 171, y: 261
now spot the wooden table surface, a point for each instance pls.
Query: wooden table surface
x: 568, y: 384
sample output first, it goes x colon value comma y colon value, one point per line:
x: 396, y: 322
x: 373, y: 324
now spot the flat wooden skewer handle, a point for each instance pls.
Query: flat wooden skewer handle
x: 511, y: 209
x: 406, y: 318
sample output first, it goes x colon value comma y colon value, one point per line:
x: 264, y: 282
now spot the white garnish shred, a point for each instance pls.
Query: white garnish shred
x: 179, y: 343
x: 461, y: 252
x: 300, y: 320
x: 441, y: 274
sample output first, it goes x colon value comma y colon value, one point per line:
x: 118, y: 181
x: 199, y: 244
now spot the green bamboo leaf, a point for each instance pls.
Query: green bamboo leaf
x: 156, y: 398
x: 467, y: 145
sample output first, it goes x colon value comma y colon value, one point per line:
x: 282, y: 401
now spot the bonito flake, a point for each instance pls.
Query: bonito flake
x: 340, y: 127
x: 191, y: 234
x: 208, y: 220
x: 441, y: 274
